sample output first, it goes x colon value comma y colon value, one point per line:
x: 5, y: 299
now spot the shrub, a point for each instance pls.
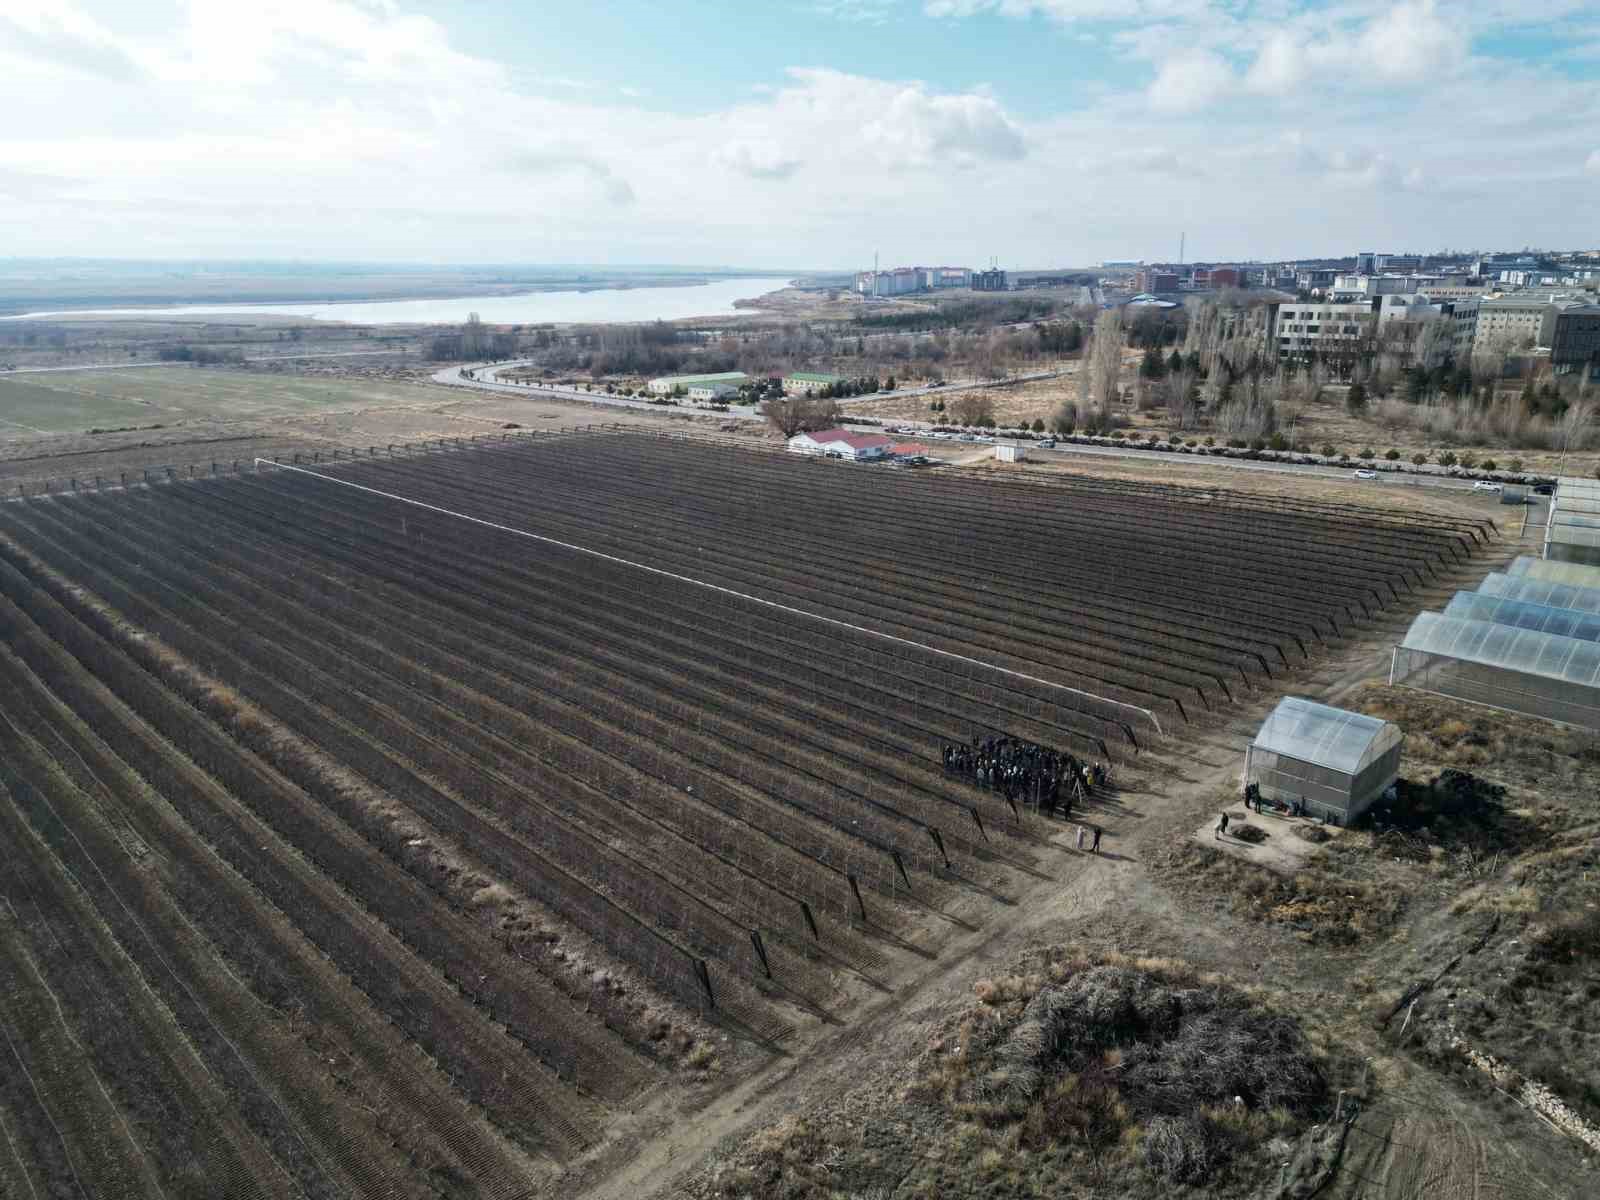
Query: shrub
x: 1367, y: 452
x: 1211, y: 441
x: 1419, y: 458
x: 1329, y: 450
x: 1278, y: 442
x: 1259, y: 444
x: 1489, y: 464
x: 1392, y: 455
x: 1469, y: 459
x: 1175, y: 438
x: 1516, y: 465
x: 1448, y: 458
x: 1038, y: 425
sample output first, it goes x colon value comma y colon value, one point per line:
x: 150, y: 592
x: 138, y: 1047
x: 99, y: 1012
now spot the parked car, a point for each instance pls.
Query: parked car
x: 1363, y: 474
x: 1048, y: 444
x: 1485, y: 485
x: 1544, y: 489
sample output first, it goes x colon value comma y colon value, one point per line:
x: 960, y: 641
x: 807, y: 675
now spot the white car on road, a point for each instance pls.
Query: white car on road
x: 1485, y: 485
x: 1366, y: 474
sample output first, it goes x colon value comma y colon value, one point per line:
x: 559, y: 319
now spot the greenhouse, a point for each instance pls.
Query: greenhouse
x: 1576, y: 574
x: 1523, y: 614
x: 1573, y: 531
x: 1541, y: 591
x: 1522, y: 670
x: 1333, y: 762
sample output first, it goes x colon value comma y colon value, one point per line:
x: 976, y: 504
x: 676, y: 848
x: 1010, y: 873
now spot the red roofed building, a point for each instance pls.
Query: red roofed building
x: 841, y: 443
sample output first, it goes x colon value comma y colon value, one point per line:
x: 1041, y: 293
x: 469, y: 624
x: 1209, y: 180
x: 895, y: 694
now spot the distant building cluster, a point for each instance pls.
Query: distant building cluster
x: 902, y: 281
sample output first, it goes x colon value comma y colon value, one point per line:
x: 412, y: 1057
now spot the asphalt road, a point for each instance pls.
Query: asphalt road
x: 488, y: 381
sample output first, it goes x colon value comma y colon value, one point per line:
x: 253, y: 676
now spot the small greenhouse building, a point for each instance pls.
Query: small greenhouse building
x: 1334, y: 762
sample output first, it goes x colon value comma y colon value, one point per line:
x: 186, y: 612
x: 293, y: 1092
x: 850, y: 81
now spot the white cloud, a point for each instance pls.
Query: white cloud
x: 759, y: 160
x: 338, y: 128
x: 1191, y: 81
x: 568, y: 161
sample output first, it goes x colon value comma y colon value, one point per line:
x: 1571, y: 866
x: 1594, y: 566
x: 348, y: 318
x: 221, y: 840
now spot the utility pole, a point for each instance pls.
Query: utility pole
x: 1183, y: 242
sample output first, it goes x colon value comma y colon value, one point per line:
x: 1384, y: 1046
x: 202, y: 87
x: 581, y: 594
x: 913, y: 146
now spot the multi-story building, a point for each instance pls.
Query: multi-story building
x: 1508, y: 322
x: 1347, y: 288
x: 1156, y: 279
x: 1416, y: 309
x: 1222, y: 277
x: 1313, y: 279
x: 1300, y: 329
x: 946, y: 277
x: 989, y: 281
x: 1575, y: 339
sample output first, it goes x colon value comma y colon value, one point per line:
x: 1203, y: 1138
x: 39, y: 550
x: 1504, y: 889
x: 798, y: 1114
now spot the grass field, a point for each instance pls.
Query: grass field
x: 77, y: 401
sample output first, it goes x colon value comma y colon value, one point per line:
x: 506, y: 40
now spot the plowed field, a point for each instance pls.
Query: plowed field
x: 353, y: 847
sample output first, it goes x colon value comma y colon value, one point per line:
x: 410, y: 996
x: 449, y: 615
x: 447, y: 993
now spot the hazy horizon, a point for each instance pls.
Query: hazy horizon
x: 1040, y: 132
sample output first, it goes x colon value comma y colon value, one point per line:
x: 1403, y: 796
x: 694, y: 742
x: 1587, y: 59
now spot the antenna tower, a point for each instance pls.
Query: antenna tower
x: 1183, y: 239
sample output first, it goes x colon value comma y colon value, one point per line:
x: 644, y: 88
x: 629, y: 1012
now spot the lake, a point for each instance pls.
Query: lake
x: 530, y: 308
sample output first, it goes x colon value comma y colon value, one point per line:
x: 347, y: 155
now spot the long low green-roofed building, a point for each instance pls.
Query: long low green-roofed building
x: 668, y: 384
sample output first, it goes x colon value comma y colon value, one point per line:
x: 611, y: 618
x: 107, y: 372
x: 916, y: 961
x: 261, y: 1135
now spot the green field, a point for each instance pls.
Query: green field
x: 77, y: 401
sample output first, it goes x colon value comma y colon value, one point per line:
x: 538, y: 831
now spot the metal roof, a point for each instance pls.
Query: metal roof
x: 1524, y: 614
x: 1523, y: 650
x: 814, y: 377
x: 1329, y: 737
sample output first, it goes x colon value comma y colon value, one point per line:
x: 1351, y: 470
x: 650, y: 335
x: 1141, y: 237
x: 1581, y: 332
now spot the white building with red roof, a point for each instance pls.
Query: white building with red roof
x: 841, y: 443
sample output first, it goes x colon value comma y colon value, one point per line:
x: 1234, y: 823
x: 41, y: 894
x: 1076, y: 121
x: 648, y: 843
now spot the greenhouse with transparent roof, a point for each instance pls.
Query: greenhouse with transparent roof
x: 1333, y: 762
x: 1577, y: 574
x: 1572, y: 533
x: 1492, y: 654
x: 1541, y: 591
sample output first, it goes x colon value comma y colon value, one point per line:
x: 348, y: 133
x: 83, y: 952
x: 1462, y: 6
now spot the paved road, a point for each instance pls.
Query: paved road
x: 124, y: 366
x: 1384, y: 479
x: 487, y: 380
x: 486, y: 376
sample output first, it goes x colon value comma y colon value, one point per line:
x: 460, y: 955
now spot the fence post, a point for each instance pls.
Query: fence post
x: 811, y: 921
x: 856, y: 888
x: 761, y: 951
x: 900, y: 864
x: 704, y: 973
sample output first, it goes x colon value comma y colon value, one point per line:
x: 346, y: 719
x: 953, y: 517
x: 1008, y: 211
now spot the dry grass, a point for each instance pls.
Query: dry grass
x: 1321, y: 903
x: 1127, y: 1076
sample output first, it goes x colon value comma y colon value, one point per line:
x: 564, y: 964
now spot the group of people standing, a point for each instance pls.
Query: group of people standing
x: 1028, y: 773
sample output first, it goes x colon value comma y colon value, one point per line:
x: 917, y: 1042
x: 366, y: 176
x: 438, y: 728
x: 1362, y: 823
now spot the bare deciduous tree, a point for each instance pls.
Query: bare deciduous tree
x: 790, y: 415
x: 1103, y: 364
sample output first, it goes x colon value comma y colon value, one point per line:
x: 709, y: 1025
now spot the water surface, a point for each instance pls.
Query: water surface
x: 601, y: 305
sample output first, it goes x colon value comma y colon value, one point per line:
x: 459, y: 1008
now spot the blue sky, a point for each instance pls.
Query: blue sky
x: 794, y: 133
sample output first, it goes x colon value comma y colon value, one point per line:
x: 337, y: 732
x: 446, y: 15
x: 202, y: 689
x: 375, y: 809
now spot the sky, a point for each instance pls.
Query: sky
x: 795, y: 134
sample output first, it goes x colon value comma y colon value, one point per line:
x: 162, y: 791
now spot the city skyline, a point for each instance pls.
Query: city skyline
x: 1038, y: 132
